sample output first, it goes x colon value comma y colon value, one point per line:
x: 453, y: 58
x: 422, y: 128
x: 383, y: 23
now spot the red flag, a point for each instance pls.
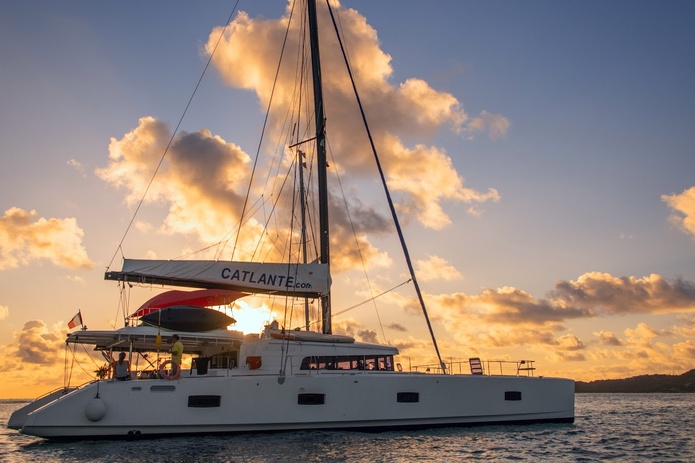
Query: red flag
x: 76, y: 320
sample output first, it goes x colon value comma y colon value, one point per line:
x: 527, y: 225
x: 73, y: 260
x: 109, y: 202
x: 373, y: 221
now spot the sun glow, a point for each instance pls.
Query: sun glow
x: 250, y: 319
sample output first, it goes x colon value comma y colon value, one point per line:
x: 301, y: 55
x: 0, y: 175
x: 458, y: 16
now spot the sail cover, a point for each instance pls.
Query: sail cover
x: 301, y: 280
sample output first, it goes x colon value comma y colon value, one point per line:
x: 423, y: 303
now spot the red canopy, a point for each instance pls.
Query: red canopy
x: 200, y: 298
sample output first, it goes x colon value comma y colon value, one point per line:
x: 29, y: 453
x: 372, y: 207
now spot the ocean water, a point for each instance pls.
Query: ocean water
x: 608, y: 427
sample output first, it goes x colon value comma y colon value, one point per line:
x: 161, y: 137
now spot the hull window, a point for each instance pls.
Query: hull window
x: 311, y: 399
x: 203, y: 401
x: 512, y: 395
x: 408, y: 397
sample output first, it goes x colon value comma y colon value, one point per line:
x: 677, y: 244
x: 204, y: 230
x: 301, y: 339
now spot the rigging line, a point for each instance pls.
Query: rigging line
x: 66, y: 377
x: 275, y: 204
x: 357, y: 243
x: 388, y: 194
x: 299, y: 71
x: 265, y: 125
x: 74, y: 359
x: 176, y: 130
x: 288, y: 117
x: 352, y: 307
x: 312, y: 211
x: 289, y: 246
x: 222, y: 244
x: 369, y: 300
x: 123, y: 302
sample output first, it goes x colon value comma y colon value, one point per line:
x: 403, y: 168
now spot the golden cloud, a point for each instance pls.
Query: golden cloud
x: 604, y: 293
x: 608, y: 338
x: 247, y: 57
x: 507, y: 306
x: 685, y: 351
x: 641, y: 335
x: 684, y: 206
x: 24, y: 238
x: 437, y: 268
x: 36, y: 344
x: 201, y: 178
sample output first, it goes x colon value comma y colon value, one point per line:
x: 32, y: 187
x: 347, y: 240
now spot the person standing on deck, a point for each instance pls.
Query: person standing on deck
x: 177, y: 351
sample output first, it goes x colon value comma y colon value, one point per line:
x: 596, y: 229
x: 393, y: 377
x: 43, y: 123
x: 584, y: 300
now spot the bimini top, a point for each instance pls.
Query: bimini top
x: 145, y: 339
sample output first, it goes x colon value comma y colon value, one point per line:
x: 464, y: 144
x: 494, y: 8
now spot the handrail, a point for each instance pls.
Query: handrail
x: 491, y: 368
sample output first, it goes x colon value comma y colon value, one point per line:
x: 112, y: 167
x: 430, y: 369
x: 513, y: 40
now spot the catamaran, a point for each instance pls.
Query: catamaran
x: 281, y: 379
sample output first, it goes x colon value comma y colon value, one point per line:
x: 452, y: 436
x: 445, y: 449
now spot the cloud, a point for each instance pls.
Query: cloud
x: 642, y: 334
x: 36, y: 344
x: 590, y: 296
x: 508, y: 306
x: 4, y: 312
x: 201, y: 178
x: 510, y: 317
x: 601, y: 292
x: 350, y: 245
x: 608, y: 338
x: 247, y: 57
x: 346, y: 326
x: 684, y: 206
x: 24, y: 238
x: 564, y: 356
x: 78, y: 166
x: 496, y: 125
x: 368, y: 336
x: 685, y: 351
x: 423, y: 194
x: 437, y: 268
x: 686, y: 328
x: 397, y: 327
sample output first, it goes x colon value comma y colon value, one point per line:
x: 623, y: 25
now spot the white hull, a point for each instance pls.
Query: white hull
x: 252, y: 403
x: 19, y: 417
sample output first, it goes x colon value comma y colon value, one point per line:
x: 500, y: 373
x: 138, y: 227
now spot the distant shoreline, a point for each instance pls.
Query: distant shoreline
x: 684, y: 383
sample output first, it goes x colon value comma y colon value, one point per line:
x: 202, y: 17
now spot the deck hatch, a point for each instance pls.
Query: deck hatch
x: 203, y: 401
x: 311, y: 399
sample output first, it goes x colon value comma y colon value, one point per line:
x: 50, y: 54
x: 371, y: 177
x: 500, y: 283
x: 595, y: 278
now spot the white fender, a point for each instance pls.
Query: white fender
x: 95, y: 409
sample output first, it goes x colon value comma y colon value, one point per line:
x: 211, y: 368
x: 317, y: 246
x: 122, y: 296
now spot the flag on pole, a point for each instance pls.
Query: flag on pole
x: 76, y: 320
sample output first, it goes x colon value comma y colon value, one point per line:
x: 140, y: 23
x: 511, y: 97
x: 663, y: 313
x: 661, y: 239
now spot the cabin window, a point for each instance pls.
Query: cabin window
x: 512, y: 395
x: 348, y: 362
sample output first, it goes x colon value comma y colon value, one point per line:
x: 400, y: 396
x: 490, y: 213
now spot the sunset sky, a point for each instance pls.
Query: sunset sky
x: 542, y: 155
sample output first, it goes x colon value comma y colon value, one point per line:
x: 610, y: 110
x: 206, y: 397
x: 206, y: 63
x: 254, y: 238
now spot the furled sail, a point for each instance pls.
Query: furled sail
x: 301, y: 280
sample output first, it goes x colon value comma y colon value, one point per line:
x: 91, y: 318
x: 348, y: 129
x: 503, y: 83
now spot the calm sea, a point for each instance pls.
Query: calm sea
x: 608, y: 427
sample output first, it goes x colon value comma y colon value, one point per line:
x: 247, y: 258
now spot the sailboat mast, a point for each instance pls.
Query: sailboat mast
x: 324, y: 250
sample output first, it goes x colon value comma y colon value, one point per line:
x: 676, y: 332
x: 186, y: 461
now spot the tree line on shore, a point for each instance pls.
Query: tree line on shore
x: 644, y: 383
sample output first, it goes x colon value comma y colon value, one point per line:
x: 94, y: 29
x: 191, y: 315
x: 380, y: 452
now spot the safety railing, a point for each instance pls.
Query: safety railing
x: 489, y: 367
